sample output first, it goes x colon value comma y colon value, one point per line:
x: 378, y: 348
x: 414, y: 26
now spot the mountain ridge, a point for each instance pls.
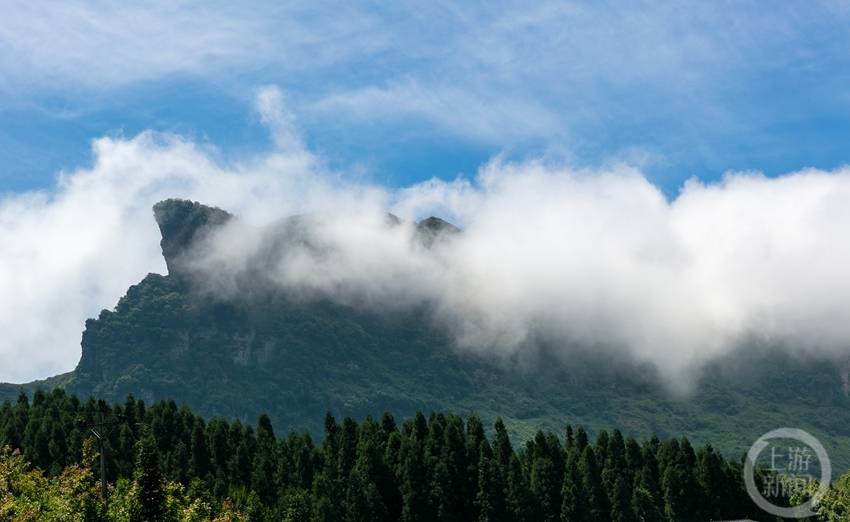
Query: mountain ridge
x: 295, y: 359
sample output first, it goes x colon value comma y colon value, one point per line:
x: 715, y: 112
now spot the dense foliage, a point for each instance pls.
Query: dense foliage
x: 165, y: 463
x: 291, y: 359
x: 28, y: 495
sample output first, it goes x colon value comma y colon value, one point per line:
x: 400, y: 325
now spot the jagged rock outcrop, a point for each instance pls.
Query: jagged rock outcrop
x: 182, y: 224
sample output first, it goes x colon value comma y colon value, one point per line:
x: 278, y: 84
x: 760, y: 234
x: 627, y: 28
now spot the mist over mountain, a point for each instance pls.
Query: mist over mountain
x: 554, y: 257
x: 241, y: 331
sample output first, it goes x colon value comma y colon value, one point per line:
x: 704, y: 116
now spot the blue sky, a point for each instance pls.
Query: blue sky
x: 406, y: 92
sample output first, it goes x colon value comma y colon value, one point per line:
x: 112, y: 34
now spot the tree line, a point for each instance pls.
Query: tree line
x: 440, y: 467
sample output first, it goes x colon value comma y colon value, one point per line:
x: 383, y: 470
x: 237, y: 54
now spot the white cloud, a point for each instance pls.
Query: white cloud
x: 575, y: 257
x: 603, y: 259
x: 464, y: 113
x: 279, y: 121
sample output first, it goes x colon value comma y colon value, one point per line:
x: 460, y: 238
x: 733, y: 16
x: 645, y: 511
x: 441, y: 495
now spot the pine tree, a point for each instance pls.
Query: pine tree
x: 388, y: 425
x: 616, y: 479
x: 591, y: 482
x: 326, y: 493
x: 219, y: 445
x: 489, y: 500
x: 475, y: 438
x: 634, y: 460
x: 149, y: 483
x: 581, y: 440
x: 178, y: 464
x: 200, y: 460
x: 390, y: 489
x: 347, y: 449
x: 574, y: 507
x: 649, y: 474
x: 678, y: 484
x: 643, y: 504
x: 414, y: 475
x: 545, y: 486
x: 691, y: 486
x: 126, y: 449
x: 620, y: 497
x: 519, y: 504
x: 298, y: 462
x: 711, y: 479
x: 265, y: 461
x: 364, y: 501
x: 449, y: 485
x: 239, y: 464
x: 502, y: 448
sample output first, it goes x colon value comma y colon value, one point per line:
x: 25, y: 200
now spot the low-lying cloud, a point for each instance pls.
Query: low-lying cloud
x: 580, y: 258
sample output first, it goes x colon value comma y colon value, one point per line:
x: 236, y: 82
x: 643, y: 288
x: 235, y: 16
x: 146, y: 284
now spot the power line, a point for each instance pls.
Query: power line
x: 101, y: 429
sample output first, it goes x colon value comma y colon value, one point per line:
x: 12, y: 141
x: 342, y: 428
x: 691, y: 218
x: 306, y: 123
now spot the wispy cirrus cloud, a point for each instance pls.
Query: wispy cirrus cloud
x: 95, y: 46
x: 490, y: 120
x: 497, y: 72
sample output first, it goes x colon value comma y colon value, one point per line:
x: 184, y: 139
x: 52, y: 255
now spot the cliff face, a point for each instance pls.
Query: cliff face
x: 296, y: 358
x: 183, y: 223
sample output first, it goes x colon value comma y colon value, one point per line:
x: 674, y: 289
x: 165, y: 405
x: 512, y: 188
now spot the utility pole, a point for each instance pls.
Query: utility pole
x: 99, y: 430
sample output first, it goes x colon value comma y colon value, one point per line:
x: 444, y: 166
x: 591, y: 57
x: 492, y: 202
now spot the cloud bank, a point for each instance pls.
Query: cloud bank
x: 593, y: 258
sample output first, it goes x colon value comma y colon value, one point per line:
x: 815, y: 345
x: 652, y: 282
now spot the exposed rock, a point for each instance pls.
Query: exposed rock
x: 429, y: 230
x: 181, y: 224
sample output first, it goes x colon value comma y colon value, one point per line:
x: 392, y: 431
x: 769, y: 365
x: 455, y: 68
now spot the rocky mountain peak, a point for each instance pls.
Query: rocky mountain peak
x: 183, y: 222
x: 430, y: 229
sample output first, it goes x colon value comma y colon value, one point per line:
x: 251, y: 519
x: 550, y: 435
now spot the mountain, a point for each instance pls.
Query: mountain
x: 295, y: 358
